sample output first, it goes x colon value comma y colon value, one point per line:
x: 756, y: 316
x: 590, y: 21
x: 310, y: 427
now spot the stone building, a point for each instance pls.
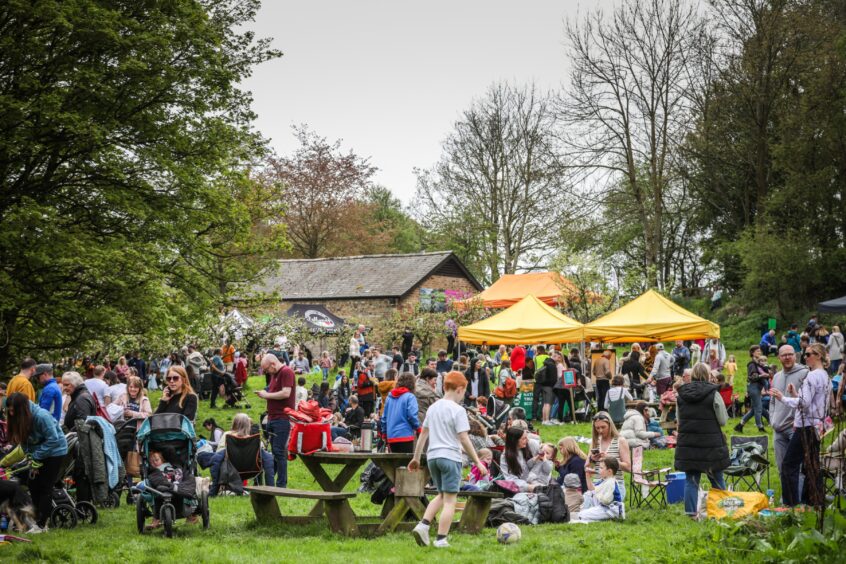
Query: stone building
x: 361, y: 289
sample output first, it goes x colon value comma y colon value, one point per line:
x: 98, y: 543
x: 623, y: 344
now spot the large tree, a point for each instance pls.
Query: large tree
x: 121, y: 129
x: 627, y: 109
x: 321, y: 186
x: 496, y: 195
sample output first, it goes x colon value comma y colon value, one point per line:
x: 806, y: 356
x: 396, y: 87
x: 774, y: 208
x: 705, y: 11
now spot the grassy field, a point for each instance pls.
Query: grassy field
x: 645, y: 536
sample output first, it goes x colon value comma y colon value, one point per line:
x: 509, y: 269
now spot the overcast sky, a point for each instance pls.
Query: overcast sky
x: 390, y: 77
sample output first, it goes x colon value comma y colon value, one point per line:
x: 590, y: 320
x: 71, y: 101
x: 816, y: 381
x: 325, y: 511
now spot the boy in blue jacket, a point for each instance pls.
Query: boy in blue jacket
x: 399, y: 424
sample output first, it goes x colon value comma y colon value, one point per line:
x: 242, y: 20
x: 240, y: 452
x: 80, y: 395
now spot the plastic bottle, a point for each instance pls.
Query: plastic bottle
x: 4, y: 523
x: 771, y: 497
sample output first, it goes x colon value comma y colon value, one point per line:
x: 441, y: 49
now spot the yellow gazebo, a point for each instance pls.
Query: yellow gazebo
x: 528, y: 321
x: 650, y: 317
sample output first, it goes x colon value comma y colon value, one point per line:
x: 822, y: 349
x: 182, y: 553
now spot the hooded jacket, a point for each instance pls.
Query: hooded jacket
x: 399, y: 422
x: 701, y: 445
x: 45, y: 439
x: 634, y: 430
x: 426, y: 396
x: 781, y: 415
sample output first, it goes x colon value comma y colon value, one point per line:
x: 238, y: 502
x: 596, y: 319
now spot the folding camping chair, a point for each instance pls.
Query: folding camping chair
x: 646, y: 487
x: 587, y: 410
x: 748, y: 468
x: 244, y: 453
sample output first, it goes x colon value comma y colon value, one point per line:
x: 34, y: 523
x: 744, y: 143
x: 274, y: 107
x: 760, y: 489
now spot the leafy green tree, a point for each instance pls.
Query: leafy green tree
x: 123, y: 131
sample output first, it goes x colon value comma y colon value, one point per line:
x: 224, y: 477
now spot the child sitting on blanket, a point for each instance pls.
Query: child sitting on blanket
x: 541, y: 472
x: 603, y: 501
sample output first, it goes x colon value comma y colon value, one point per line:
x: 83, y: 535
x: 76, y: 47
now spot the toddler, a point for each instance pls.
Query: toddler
x: 482, y: 405
x: 731, y: 369
x: 486, y: 456
x: 541, y: 472
x: 573, y: 493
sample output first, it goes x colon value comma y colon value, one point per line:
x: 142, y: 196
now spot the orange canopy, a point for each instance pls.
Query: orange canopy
x: 548, y: 287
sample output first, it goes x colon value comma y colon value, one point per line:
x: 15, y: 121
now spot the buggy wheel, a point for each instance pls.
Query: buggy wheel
x: 111, y: 501
x: 140, y: 513
x: 86, y: 513
x: 204, y: 508
x: 168, y: 515
x: 63, y: 517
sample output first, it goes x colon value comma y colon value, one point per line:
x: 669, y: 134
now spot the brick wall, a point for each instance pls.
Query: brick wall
x: 437, y: 281
x: 365, y: 311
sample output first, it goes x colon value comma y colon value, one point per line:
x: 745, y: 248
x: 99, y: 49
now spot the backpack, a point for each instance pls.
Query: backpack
x: 508, y: 390
x: 552, y: 504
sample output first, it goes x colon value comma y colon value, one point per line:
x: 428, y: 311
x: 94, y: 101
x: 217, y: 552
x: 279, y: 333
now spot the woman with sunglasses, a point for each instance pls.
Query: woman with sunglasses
x: 178, y: 396
x: 608, y: 442
x: 809, y: 407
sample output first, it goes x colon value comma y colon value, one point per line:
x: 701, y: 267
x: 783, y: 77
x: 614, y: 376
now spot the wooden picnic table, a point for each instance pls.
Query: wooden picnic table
x: 667, y: 424
x: 407, y: 494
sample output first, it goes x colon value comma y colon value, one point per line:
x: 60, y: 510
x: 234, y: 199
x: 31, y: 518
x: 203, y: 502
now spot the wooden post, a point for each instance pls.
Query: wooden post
x: 474, y: 515
x: 341, y: 517
x: 266, y: 508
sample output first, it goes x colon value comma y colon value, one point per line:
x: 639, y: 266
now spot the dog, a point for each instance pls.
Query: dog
x: 17, y: 505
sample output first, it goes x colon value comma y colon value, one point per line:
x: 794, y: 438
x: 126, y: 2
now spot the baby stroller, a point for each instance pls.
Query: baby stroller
x: 173, y: 436
x: 125, y: 433
x: 231, y: 392
x: 66, y: 513
x: 587, y: 410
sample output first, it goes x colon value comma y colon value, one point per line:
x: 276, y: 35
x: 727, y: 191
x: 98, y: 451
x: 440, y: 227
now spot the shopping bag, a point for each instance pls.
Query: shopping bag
x: 734, y: 505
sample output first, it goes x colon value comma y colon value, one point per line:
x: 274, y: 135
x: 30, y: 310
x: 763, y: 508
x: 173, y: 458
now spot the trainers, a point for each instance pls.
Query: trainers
x: 442, y: 543
x: 35, y: 529
x: 738, y: 428
x: 547, y: 423
x: 554, y: 422
x: 421, y: 534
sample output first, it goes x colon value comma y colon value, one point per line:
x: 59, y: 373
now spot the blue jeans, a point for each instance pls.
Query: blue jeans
x: 691, y: 489
x: 834, y: 366
x: 754, y: 391
x: 280, y: 429
x: 325, y: 374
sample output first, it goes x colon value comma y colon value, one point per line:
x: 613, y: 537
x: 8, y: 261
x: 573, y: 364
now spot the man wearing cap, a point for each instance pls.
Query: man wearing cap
x: 51, y: 394
x: 661, y: 370
x: 21, y: 383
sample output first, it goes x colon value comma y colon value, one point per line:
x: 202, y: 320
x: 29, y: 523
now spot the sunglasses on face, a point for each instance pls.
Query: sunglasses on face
x: 812, y: 353
x: 172, y: 378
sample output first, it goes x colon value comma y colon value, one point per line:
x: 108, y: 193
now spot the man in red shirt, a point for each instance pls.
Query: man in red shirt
x: 279, y: 395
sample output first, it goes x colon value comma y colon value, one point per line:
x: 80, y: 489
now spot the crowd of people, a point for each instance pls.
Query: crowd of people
x: 460, y: 410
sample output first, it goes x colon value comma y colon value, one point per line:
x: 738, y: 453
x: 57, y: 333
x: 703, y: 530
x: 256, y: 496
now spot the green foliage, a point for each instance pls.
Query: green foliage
x: 122, y: 167
x: 788, y: 538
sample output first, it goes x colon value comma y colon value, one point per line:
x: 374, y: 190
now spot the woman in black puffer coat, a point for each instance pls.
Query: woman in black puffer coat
x: 701, y: 446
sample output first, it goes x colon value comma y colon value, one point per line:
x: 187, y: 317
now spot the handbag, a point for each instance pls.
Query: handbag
x: 133, y: 463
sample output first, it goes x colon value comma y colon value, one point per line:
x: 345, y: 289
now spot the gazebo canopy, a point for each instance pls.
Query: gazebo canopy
x: 650, y: 317
x: 837, y: 305
x: 548, y: 287
x: 528, y: 321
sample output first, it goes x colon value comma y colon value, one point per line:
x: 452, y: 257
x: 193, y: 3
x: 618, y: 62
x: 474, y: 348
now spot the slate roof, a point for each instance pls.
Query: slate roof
x: 367, y: 276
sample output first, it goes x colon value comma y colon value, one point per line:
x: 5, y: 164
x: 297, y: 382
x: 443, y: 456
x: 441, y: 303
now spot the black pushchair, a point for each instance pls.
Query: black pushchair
x: 66, y: 512
x: 173, y: 436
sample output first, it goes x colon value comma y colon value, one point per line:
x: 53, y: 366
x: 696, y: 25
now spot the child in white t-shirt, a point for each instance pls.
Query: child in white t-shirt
x: 446, y: 429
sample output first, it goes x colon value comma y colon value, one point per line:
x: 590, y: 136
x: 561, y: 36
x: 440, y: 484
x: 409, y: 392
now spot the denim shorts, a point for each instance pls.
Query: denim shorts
x: 446, y: 474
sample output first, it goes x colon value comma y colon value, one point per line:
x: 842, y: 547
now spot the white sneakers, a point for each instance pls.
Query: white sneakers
x: 36, y: 530
x: 421, y: 534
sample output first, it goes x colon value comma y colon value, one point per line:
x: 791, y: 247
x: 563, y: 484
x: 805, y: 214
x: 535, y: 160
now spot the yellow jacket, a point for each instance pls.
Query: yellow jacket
x: 21, y: 384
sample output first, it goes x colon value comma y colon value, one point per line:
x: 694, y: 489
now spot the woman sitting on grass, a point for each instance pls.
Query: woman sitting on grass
x: 518, y: 459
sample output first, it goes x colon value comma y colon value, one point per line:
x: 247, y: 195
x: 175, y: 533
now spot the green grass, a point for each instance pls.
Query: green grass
x: 645, y: 536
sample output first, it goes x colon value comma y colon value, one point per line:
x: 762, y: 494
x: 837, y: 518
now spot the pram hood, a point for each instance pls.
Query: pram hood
x: 165, y: 426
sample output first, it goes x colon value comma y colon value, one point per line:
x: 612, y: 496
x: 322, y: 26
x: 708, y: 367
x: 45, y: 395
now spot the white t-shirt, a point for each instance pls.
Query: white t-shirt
x: 97, y: 387
x: 114, y: 392
x: 445, y: 419
x: 301, y: 394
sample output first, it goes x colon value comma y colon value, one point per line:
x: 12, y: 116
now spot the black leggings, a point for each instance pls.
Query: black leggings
x: 563, y: 401
x: 41, y: 487
x: 404, y: 447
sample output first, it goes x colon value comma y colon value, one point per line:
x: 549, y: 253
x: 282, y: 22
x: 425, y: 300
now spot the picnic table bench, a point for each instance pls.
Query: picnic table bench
x: 476, y: 511
x: 336, y: 505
